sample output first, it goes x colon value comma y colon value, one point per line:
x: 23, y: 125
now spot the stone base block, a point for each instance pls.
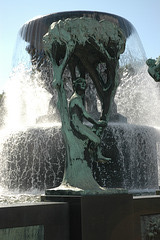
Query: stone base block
x: 104, y: 217
x: 37, y: 221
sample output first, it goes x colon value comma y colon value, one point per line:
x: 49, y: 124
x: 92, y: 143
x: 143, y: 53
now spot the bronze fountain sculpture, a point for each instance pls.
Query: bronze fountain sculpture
x: 83, y: 43
x: 154, y: 68
x: 71, y: 51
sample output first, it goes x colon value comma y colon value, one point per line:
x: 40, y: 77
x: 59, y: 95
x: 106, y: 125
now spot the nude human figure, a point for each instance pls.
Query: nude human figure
x: 78, y: 113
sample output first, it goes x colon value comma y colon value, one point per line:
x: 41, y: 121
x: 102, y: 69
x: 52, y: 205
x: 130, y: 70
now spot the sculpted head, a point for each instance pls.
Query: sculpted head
x: 151, y: 62
x: 79, y: 84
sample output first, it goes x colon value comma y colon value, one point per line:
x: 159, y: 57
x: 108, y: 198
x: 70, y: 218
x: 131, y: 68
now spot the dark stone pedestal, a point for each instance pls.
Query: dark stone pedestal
x: 100, y: 217
x: 34, y: 221
x: 146, y: 217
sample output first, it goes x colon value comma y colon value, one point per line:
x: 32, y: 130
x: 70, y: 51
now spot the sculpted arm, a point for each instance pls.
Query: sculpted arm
x: 88, y: 117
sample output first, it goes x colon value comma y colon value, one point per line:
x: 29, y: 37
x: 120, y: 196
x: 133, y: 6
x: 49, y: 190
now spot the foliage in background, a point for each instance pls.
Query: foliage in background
x: 2, y: 108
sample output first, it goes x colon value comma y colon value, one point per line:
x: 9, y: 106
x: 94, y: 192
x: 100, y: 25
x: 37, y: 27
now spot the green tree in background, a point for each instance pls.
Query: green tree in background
x: 2, y: 108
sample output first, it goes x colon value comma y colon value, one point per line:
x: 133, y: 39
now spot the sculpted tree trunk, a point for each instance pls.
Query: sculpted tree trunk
x: 83, y: 43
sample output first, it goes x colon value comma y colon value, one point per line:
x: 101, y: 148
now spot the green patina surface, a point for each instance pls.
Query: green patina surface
x: 154, y: 68
x: 65, y: 42
x: 23, y: 233
x: 80, y: 30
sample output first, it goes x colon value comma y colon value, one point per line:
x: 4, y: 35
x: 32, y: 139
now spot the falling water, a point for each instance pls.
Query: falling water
x: 138, y: 97
x: 32, y: 153
x: 26, y: 100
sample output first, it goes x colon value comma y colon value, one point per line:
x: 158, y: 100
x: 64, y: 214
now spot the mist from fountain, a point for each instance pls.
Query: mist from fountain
x: 28, y: 150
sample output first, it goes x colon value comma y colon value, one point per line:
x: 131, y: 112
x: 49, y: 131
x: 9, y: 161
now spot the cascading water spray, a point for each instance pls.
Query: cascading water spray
x: 138, y: 97
x: 39, y: 150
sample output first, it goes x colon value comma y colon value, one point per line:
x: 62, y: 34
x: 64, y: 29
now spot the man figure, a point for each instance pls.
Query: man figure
x: 78, y: 113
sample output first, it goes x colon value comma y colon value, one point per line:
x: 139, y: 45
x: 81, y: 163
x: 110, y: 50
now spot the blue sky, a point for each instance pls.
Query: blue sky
x: 143, y: 14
